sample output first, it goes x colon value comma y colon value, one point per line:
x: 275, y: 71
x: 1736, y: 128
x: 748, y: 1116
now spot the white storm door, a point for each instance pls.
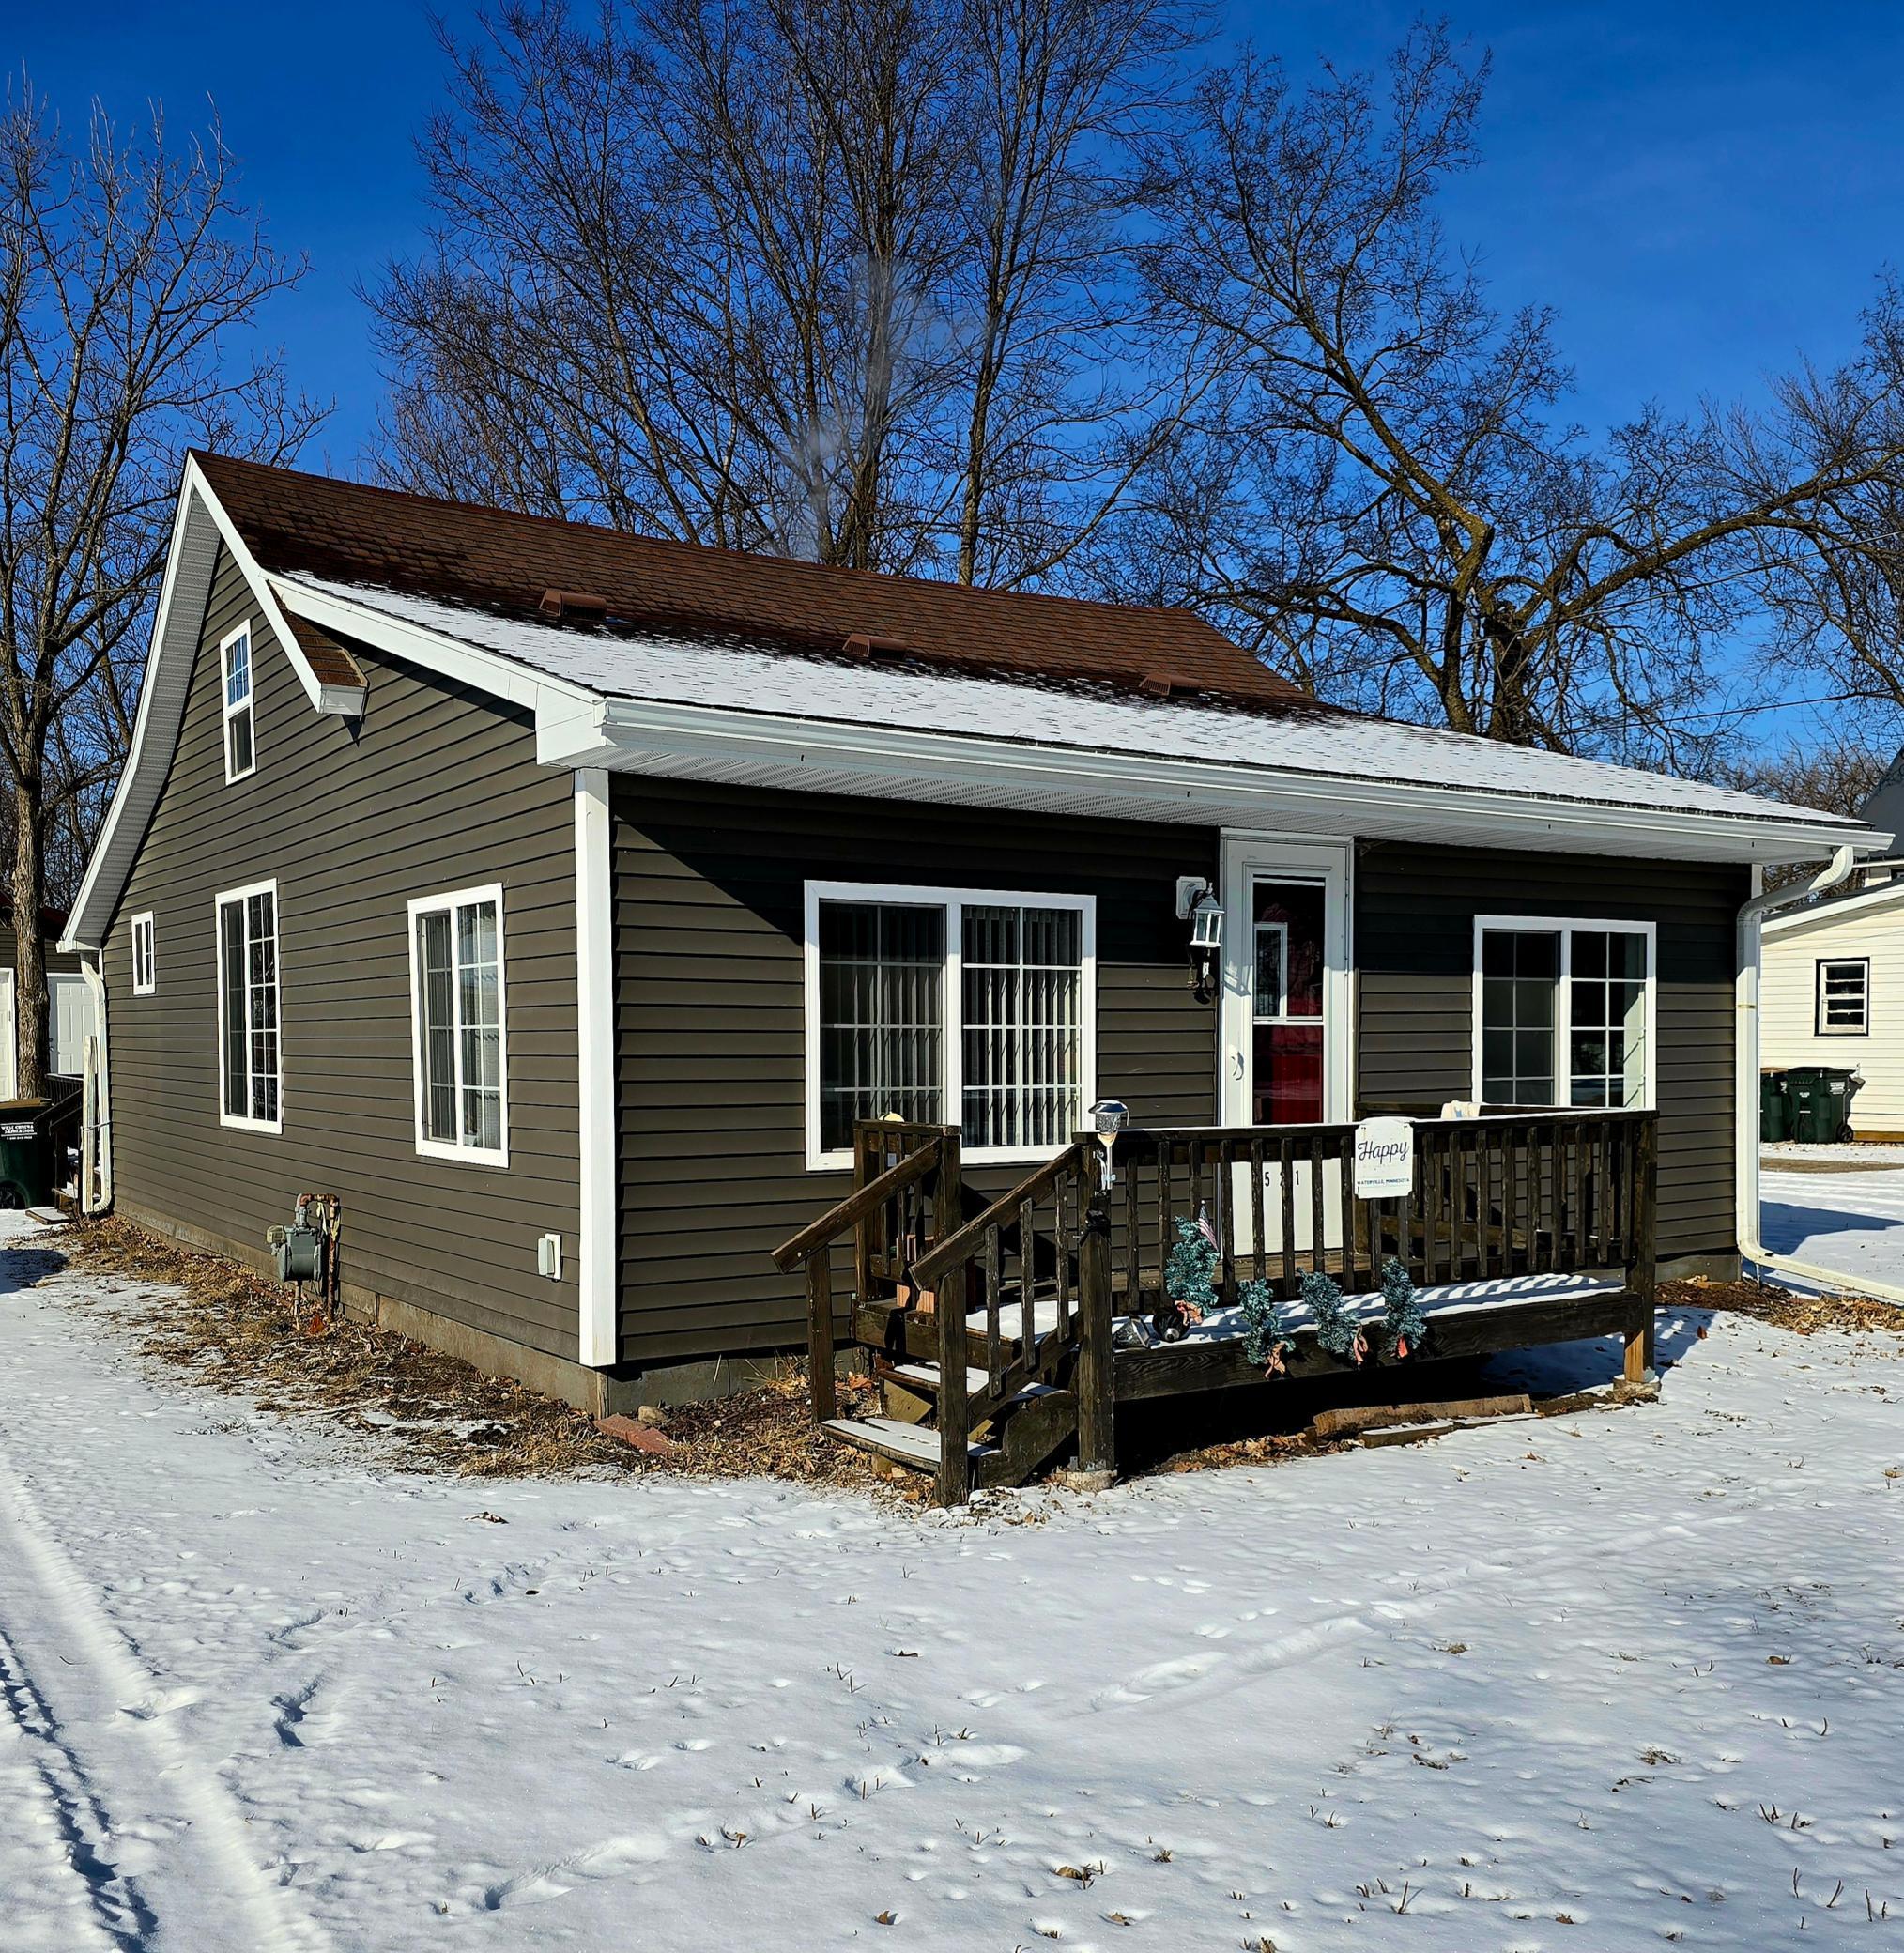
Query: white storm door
x: 1284, y: 1044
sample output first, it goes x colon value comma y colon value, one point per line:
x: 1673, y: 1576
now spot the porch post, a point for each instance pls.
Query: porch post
x: 1097, y: 1436
x: 1640, y: 1364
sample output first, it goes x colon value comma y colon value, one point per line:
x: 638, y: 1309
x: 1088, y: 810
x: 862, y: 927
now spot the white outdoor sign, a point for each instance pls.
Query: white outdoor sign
x: 1385, y: 1158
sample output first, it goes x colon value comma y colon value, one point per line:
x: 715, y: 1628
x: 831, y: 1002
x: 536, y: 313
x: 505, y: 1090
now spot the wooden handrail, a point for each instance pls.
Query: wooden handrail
x: 836, y: 1221
x: 958, y: 1247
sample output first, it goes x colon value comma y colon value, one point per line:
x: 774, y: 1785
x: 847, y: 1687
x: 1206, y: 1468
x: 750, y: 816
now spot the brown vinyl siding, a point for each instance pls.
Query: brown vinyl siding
x: 710, y: 910
x: 436, y: 790
x: 1414, y: 950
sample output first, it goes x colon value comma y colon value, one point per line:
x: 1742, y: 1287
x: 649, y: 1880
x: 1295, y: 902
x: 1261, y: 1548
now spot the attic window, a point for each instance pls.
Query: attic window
x: 235, y: 665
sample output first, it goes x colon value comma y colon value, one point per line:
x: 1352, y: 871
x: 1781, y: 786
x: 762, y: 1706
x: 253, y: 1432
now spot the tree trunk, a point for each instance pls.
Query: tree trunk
x: 29, y: 959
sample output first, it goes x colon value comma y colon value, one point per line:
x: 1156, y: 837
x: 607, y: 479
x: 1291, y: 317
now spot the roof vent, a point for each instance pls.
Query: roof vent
x: 864, y: 644
x: 578, y: 604
x: 1152, y: 686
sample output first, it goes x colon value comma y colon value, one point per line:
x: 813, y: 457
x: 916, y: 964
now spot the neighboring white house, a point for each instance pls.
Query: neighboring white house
x: 1832, y: 992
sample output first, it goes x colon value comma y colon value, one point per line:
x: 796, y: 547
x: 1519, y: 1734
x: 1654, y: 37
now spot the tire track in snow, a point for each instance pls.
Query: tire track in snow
x: 77, y: 1818
x: 109, y: 1757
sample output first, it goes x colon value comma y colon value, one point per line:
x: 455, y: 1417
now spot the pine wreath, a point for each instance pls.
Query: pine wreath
x: 1189, y: 1289
x: 1406, y: 1325
x: 1266, y: 1338
x: 1335, y: 1328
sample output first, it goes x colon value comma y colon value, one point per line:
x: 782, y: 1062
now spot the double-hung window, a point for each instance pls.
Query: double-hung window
x: 1564, y: 1013
x: 949, y: 1007
x: 1844, y: 996
x: 235, y: 667
x: 145, y: 958
x: 250, y: 1062
x: 460, y: 1058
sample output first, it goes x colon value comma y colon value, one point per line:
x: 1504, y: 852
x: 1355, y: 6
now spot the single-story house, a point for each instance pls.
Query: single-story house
x: 565, y: 901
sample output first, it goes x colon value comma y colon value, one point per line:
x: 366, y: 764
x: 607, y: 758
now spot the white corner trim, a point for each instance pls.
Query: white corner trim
x: 449, y: 903
x: 1564, y: 927
x: 597, y: 1269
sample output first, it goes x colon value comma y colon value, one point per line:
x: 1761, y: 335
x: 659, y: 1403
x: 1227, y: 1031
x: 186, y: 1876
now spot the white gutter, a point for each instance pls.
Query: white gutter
x: 923, y: 761
x: 1745, y: 1110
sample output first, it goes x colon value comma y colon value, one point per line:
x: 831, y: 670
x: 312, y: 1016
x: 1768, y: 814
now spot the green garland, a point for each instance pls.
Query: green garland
x: 1406, y: 1325
x: 1335, y: 1329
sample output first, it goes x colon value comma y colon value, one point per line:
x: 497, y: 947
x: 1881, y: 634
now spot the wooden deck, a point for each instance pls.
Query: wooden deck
x: 1518, y: 1231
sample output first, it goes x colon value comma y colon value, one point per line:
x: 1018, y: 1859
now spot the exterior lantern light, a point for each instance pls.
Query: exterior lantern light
x: 1109, y: 1117
x: 1197, y: 904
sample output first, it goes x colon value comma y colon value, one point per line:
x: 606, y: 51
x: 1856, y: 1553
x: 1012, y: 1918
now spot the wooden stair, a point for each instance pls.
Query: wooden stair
x: 1017, y: 1439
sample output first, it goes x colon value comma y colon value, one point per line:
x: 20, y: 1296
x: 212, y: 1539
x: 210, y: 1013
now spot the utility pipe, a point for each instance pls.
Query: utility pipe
x: 1751, y: 916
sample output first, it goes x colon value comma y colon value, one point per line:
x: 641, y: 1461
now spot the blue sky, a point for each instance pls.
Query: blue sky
x: 1704, y: 191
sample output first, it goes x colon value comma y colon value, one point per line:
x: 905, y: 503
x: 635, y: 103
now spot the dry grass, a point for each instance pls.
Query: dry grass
x: 1802, y: 1314
x: 234, y: 1332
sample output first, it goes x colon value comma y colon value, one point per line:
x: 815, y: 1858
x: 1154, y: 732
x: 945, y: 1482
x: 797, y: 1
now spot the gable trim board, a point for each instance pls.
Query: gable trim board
x: 848, y: 740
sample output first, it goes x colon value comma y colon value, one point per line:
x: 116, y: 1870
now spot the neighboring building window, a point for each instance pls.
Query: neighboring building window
x: 69, y: 1024
x: 1564, y: 1013
x: 250, y: 1078
x: 144, y: 960
x: 240, y: 745
x: 457, y: 992
x: 925, y: 1000
x: 1844, y: 996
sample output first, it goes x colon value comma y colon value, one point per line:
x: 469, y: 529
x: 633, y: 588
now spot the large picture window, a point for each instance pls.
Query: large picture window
x: 249, y: 1064
x: 1563, y: 1012
x: 949, y: 1007
x: 457, y: 1001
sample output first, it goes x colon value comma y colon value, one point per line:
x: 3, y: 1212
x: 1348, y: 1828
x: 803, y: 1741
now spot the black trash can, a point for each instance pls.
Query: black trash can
x: 25, y: 1154
x: 1774, y: 1108
x: 1821, y: 1098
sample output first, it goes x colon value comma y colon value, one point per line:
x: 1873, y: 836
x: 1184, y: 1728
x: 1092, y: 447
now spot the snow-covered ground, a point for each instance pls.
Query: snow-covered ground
x: 1850, y: 1222
x: 1594, y: 1682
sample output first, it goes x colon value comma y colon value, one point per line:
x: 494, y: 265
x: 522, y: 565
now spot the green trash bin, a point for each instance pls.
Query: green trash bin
x: 25, y: 1155
x: 1821, y: 1098
x: 1774, y: 1108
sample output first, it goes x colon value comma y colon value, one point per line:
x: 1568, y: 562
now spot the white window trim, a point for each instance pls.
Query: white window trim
x: 244, y: 1123
x: 229, y: 712
x: 144, y: 924
x: 954, y: 901
x: 1820, y: 1028
x: 441, y: 1148
x: 1563, y: 1003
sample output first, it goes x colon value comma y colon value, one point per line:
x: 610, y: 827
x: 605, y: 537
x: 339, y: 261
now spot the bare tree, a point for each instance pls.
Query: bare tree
x: 809, y: 276
x: 1384, y: 494
x: 125, y: 271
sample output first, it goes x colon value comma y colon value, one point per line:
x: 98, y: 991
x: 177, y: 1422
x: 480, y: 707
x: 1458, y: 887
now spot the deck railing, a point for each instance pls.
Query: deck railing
x: 1026, y: 1291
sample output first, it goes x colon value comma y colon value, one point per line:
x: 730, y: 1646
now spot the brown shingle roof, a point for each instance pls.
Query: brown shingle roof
x: 506, y: 561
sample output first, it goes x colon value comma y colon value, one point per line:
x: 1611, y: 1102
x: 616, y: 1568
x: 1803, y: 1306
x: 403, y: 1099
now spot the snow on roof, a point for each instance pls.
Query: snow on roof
x: 736, y: 676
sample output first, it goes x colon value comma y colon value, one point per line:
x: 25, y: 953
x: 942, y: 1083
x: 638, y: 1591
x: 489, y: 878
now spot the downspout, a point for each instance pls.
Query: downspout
x: 103, y: 1095
x: 1745, y: 1089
